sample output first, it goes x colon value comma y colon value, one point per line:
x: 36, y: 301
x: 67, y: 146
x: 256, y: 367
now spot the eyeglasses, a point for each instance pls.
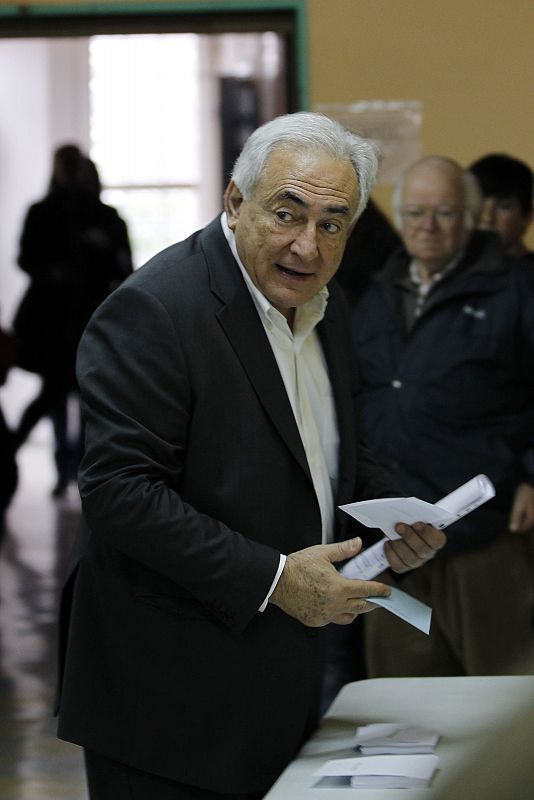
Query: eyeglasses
x: 445, y: 217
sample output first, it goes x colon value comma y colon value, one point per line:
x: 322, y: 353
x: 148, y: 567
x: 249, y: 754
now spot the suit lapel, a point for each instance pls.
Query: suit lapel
x: 240, y: 321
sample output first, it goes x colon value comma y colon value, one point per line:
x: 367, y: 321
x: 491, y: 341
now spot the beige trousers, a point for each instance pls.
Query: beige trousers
x: 482, y: 620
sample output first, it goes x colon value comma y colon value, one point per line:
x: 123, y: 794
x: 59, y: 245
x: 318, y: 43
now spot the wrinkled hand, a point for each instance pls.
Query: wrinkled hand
x: 312, y: 590
x: 522, y: 514
x: 418, y: 544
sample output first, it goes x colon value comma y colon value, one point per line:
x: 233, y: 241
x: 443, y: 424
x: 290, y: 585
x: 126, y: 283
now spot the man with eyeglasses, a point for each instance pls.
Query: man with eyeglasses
x: 445, y: 345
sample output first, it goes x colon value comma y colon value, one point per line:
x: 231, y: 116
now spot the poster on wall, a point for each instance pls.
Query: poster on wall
x: 394, y: 125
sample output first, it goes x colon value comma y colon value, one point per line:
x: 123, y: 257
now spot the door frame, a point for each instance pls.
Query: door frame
x: 288, y: 17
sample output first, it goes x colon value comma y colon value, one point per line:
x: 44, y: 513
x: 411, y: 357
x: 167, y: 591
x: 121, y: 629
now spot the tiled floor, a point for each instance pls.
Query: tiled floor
x: 34, y: 764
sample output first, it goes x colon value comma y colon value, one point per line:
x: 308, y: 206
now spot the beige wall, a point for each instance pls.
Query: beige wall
x: 470, y: 63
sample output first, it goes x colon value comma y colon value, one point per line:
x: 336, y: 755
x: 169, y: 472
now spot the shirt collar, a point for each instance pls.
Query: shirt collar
x: 308, y: 315
x: 415, y: 277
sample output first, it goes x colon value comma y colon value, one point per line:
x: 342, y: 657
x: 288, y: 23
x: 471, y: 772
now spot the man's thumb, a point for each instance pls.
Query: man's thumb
x: 340, y: 551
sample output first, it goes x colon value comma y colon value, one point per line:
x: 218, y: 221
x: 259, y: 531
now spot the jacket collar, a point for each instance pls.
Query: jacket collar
x: 477, y: 272
x: 484, y: 255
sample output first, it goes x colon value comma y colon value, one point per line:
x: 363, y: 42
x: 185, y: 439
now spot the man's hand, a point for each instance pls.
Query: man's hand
x: 312, y: 590
x: 418, y: 544
x: 522, y: 514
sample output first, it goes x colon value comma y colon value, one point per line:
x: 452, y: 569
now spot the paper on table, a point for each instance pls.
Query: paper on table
x: 407, y: 608
x: 383, y: 771
x: 383, y: 738
x: 385, y: 514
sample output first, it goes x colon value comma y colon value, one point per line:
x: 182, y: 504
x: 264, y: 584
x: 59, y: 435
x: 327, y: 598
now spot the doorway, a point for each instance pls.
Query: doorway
x: 60, y: 80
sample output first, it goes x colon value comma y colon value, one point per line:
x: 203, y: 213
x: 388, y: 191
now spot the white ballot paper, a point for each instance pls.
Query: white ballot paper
x: 377, y: 772
x: 406, y: 607
x: 394, y: 738
x: 386, y: 513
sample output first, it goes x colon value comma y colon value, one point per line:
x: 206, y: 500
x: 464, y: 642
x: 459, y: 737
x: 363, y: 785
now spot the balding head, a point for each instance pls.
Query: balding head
x: 436, y: 205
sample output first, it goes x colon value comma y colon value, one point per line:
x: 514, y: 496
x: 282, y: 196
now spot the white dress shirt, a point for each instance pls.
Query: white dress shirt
x: 303, y: 368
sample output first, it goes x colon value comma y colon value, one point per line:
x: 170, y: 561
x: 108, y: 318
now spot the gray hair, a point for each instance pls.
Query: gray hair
x: 472, y: 196
x: 306, y: 131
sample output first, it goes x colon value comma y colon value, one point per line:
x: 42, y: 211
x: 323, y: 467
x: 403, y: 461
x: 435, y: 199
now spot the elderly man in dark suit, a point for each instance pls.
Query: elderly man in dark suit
x: 216, y: 388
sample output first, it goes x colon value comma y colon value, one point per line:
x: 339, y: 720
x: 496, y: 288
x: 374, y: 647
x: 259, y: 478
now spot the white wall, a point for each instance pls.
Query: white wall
x: 68, y: 80
x: 43, y: 103
x: 24, y: 147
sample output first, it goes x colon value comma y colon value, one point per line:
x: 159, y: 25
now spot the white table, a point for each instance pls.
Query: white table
x: 462, y: 710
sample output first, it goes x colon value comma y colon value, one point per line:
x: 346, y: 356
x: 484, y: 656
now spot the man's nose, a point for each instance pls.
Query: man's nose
x: 305, y: 243
x: 429, y: 220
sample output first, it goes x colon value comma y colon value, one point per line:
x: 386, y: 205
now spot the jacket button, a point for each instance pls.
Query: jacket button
x: 396, y: 384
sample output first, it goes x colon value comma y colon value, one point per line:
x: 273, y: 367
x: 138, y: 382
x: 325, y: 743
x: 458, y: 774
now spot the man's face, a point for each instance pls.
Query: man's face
x: 433, y: 218
x: 505, y: 216
x: 291, y: 234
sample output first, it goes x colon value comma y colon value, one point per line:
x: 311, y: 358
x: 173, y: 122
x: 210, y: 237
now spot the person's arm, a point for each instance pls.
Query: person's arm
x: 138, y: 407
x: 33, y: 254
x: 44, y: 246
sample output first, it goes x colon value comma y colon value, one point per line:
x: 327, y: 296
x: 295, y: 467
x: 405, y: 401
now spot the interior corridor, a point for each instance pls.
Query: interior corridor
x: 34, y: 764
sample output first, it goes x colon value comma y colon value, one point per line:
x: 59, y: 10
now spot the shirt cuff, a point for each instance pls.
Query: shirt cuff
x: 279, y: 571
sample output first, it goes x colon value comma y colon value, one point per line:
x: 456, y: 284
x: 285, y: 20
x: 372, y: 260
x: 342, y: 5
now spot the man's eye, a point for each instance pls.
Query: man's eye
x: 284, y: 216
x: 412, y: 214
x: 331, y: 227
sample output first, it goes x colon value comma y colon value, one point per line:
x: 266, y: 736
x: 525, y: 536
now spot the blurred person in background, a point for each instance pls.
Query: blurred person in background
x: 8, y: 464
x: 75, y: 250
x: 507, y: 188
x: 444, y: 339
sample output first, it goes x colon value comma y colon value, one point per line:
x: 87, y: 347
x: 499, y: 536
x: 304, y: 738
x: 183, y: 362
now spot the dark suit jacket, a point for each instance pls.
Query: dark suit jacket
x: 194, y: 480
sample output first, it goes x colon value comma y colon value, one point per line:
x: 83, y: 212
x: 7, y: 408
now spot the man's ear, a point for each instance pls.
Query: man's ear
x: 233, y: 200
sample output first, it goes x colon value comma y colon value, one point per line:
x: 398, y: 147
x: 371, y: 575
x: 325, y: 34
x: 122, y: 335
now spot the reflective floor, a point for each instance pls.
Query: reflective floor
x: 34, y: 765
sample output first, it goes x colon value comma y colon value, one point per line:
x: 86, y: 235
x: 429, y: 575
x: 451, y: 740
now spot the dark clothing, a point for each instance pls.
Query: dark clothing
x: 8, y: 464
x: 8, y: 468
x: 453, y: 396
x: 194, y: 480
x: 110, y: 780
x: 75, y: 250
x: 368, y: 247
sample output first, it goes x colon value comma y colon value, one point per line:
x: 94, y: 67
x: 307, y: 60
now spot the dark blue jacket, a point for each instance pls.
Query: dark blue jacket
x: 454, y: 395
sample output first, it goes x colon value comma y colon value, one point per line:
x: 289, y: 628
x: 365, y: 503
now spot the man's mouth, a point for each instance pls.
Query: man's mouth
x: 293, y: 273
